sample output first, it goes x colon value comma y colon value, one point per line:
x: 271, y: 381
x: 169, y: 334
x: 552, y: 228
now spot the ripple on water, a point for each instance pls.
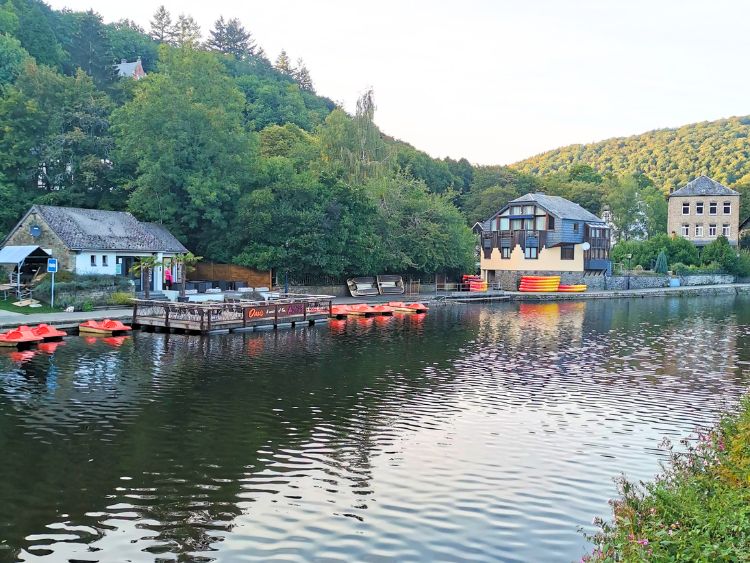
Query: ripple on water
x: 475, y: 433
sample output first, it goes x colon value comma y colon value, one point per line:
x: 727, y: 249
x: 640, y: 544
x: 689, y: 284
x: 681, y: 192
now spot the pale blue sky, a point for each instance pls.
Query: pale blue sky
x: 500, y: 81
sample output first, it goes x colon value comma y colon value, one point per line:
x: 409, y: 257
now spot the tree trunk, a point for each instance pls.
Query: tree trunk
x: 147, y: 282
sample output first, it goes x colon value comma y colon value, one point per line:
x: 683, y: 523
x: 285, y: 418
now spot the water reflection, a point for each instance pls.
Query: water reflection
x: 487, y: 432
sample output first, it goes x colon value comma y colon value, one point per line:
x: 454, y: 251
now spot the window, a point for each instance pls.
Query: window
x: 727, y: 207
x: 567, y: 252
x: 515, y: 210
x: 712, y: 230
x: 540, y: 223
x: 505, y: 252
x: 504, y: 224
x: 712, y: 208
x: 699, y: 230
x: 686, y: 208
x: 528, y: 209
x: 550, y: 223
x: 93, y: 259
x: 531, y: 252
x: 104, y: 260
x: 725, y: 230
x: 686, y: 230
x: 516, y: 224
x: 575, y: 227
x: 699, y: 208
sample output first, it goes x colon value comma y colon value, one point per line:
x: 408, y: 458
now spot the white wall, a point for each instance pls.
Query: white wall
x: 83, y: 263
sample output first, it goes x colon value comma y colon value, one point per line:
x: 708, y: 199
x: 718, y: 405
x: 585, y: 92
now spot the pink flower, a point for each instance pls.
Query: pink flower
x: 644, y: 541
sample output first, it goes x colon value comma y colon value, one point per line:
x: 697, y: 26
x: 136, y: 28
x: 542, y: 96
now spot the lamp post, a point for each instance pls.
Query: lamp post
x: 628, y: 257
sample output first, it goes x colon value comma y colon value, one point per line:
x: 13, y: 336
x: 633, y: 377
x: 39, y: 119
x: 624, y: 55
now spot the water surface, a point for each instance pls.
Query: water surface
x: 477, y: 433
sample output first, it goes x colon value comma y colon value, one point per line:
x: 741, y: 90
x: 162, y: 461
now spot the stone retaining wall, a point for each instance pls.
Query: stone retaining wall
x: 509, y: 280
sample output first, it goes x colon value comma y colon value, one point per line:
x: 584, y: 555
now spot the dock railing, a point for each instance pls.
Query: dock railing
x: 234, y: 314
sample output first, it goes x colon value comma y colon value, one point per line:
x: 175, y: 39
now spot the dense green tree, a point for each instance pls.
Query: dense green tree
x: 13, y: 57
x: 87, y: 46
x: 9, y: 22
x: 654, y: 205
x: 183, y: 136
x: 624, y: 203
x: 36, y: 31
x: 662, y: 264
x: 56, y: 143
x: 231, y: 38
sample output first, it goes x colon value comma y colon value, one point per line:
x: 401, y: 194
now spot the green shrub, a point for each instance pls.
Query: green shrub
x: 697, y: 510
x: 87, y: 306
x: 121, y: 298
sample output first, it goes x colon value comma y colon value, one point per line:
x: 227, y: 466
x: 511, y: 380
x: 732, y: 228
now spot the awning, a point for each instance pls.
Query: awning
x: 17, y: 254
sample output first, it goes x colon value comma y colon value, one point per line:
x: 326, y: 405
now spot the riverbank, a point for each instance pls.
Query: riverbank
x: 71, y: 320
x: 696, y: 511
x: 718, y: 289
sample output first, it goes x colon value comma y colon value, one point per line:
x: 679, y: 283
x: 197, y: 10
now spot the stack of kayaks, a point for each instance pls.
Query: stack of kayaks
x: 578, y: 288
x: 539, y: 284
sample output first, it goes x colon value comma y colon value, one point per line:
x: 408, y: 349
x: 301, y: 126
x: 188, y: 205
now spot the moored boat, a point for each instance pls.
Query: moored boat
x: 339, y: 311
x: 48, y: 332
x: 402, y: 307
x: 18, y: 337
x: 106, y: 327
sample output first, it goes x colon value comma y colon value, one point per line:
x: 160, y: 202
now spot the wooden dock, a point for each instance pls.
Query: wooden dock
x: 234, y: 316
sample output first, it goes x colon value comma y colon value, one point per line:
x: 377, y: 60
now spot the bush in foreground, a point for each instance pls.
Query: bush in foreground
x: 697, y: 510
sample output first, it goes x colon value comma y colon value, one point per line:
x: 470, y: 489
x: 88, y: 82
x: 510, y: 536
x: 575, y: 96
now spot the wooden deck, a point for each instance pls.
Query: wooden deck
x: 222, y: 317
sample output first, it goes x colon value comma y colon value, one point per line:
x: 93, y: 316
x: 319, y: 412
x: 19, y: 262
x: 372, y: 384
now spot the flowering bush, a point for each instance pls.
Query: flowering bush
x: 697, y: 510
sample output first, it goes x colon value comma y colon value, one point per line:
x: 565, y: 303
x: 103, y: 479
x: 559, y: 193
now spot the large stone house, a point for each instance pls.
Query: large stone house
x: 544, y: 234
x: 703, y: 210
x: 92, y: 241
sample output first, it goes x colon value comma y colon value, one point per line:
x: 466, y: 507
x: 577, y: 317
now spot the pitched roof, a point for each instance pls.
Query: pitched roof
x: 17, y: 254
x: 703, y: 185
x: 106, y: 230
x: 130, y: 70
x: 559, y: 206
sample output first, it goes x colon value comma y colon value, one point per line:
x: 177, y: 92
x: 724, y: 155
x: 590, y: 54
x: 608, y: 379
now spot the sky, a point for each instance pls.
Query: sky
x: 499, y: 81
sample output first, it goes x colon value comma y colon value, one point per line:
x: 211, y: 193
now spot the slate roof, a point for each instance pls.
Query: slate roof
x: 703, y: 185
x: 95, y: 229
x: 560, y: 207
x: 130, y: 70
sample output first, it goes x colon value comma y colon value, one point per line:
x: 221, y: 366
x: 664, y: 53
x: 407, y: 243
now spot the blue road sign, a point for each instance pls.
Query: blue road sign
x: 51, y: 265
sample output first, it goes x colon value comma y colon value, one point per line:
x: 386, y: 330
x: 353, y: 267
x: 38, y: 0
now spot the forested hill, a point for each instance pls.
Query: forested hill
x: 235, y: 153
x: 670, y: 157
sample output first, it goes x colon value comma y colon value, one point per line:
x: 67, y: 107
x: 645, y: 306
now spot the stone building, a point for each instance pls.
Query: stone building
x: 92, y: 241
x: 703, y: 210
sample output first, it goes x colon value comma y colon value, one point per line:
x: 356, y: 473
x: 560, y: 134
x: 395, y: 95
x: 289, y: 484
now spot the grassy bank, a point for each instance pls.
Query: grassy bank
x: 697, y: 510
x: 8, y: 306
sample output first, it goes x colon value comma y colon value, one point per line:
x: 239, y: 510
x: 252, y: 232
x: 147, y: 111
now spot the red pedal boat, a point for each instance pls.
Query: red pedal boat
x: 107, y: 327
x: 46, y: 331
x: 18, y: 337
x: 402, y: 307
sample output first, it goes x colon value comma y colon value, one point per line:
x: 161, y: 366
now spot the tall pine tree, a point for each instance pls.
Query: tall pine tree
x: 283, y: 64
x: 302, y: 76
x: 162, y: 29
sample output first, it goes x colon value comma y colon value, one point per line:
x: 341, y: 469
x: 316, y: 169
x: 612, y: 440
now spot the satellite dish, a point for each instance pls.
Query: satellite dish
x: 35, y: 230
x: 585, y: 246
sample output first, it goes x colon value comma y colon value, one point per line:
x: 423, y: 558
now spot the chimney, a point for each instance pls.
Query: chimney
x: 139, y: 59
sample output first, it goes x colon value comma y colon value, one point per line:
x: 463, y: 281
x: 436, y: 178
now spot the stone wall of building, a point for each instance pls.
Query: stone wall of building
x: 47, y: 240
x: 675, y: 218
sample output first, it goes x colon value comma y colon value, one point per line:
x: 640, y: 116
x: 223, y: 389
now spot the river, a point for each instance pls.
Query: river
x: 476, y: 432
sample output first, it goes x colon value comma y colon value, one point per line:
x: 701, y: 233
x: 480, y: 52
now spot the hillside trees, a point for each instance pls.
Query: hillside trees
x: 183, y: 137
x: 56, y: 143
